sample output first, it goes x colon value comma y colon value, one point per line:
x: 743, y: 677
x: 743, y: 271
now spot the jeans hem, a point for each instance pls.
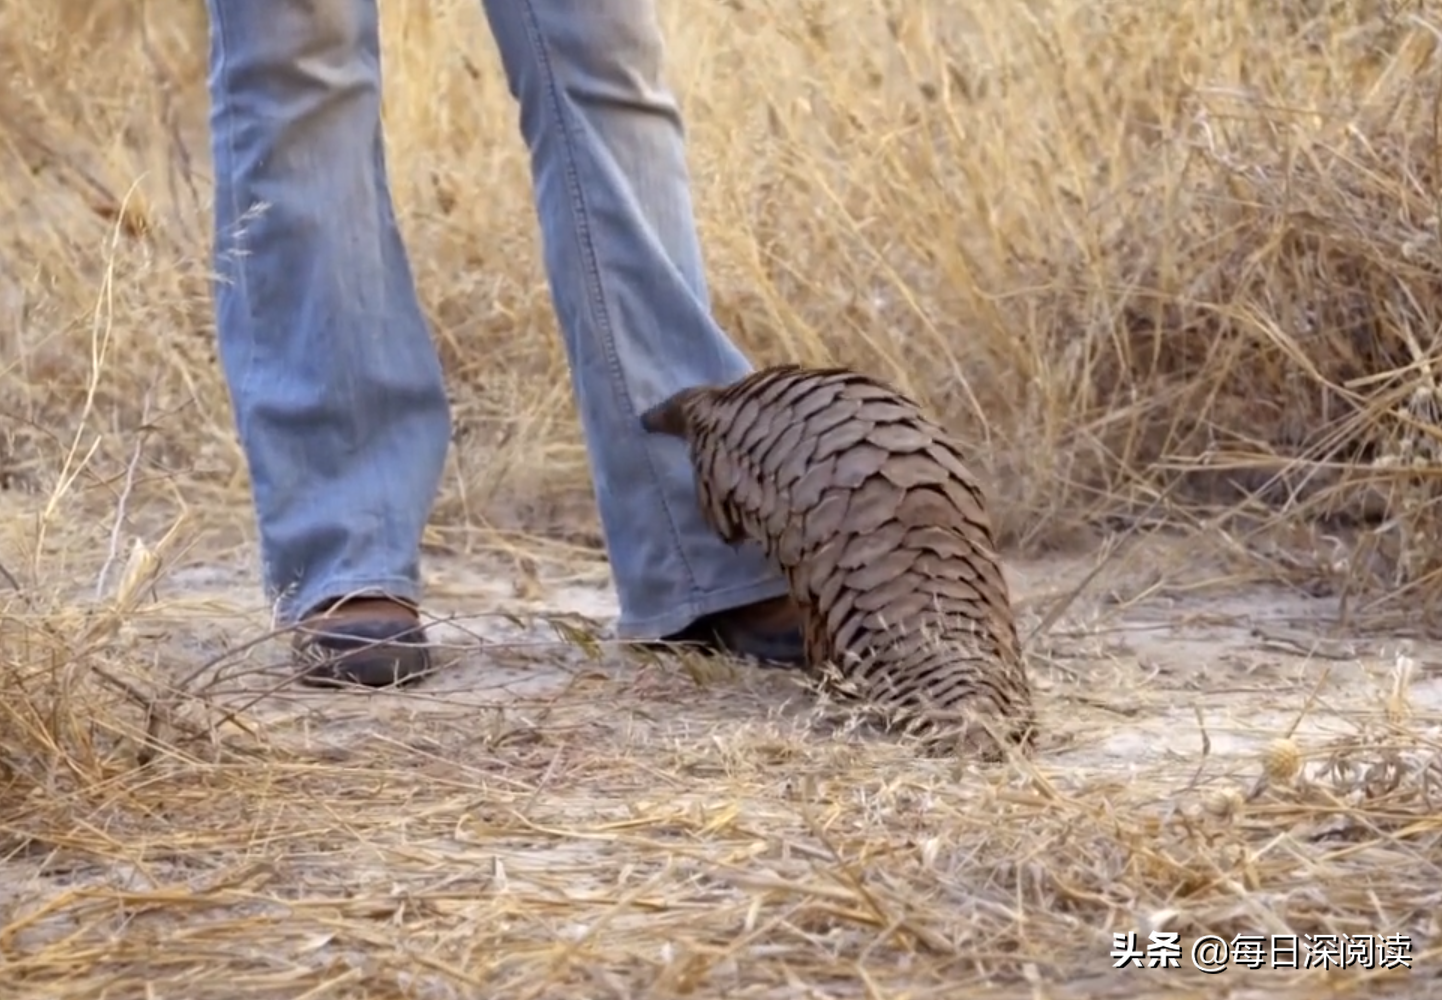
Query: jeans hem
x: 673, y: 621
x: 397, y: 587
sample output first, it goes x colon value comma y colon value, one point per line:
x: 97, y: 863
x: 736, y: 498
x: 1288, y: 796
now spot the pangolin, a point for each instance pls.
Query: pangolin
x: 884, y: 538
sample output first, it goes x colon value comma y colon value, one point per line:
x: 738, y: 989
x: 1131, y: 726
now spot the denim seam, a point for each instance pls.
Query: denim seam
x: 716, y: 600
x: 398, y: 587
x: 237, y: 255
x: 595, y: 290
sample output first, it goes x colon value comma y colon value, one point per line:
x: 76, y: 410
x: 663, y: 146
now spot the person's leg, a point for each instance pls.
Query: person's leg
x: 337, y: 390
x: 625, y: 270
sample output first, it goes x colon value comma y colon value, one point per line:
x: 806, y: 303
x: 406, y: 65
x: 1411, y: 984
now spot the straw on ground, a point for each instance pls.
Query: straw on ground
x: 1159, y: 267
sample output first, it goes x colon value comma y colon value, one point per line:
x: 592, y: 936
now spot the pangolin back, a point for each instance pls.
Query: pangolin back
x: 882, y: 533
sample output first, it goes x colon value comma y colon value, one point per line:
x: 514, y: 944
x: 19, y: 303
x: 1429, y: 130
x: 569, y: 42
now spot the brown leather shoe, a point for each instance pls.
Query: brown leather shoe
x: 768, y: 631
x: 371, y: 641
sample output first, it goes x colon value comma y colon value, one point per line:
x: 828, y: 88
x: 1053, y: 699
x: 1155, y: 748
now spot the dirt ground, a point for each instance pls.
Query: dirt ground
x: 1156, y: 639
x: 1106, y: 243
x: 548, y: 819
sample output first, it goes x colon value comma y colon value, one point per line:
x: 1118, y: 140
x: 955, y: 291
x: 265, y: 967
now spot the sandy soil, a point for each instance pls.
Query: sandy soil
x: 1158, y: 647
x: 523, y: 797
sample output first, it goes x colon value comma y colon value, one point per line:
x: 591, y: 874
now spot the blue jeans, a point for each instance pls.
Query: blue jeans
x: 338, y: 394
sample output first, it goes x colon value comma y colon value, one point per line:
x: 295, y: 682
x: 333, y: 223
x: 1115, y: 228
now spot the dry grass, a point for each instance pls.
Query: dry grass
x: 1159, y: 263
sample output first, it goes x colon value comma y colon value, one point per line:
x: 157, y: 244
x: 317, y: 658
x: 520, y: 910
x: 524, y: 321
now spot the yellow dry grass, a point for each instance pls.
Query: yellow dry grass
x: 1161, y: 264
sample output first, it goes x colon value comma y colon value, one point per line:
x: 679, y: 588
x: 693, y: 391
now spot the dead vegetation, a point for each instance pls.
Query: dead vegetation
x: 1159, y: 265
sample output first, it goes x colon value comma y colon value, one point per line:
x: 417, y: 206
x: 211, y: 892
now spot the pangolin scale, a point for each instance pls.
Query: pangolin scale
x: 884, y: 538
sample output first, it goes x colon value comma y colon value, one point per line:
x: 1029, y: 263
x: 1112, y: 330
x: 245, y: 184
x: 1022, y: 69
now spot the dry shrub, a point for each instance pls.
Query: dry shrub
x: 1114, y: 244
x: 1126, y: 250
x: 1129, y: 250
x: 1272, y: 335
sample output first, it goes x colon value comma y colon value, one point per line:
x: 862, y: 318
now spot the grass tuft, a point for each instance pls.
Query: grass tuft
x: 1166, y: 268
